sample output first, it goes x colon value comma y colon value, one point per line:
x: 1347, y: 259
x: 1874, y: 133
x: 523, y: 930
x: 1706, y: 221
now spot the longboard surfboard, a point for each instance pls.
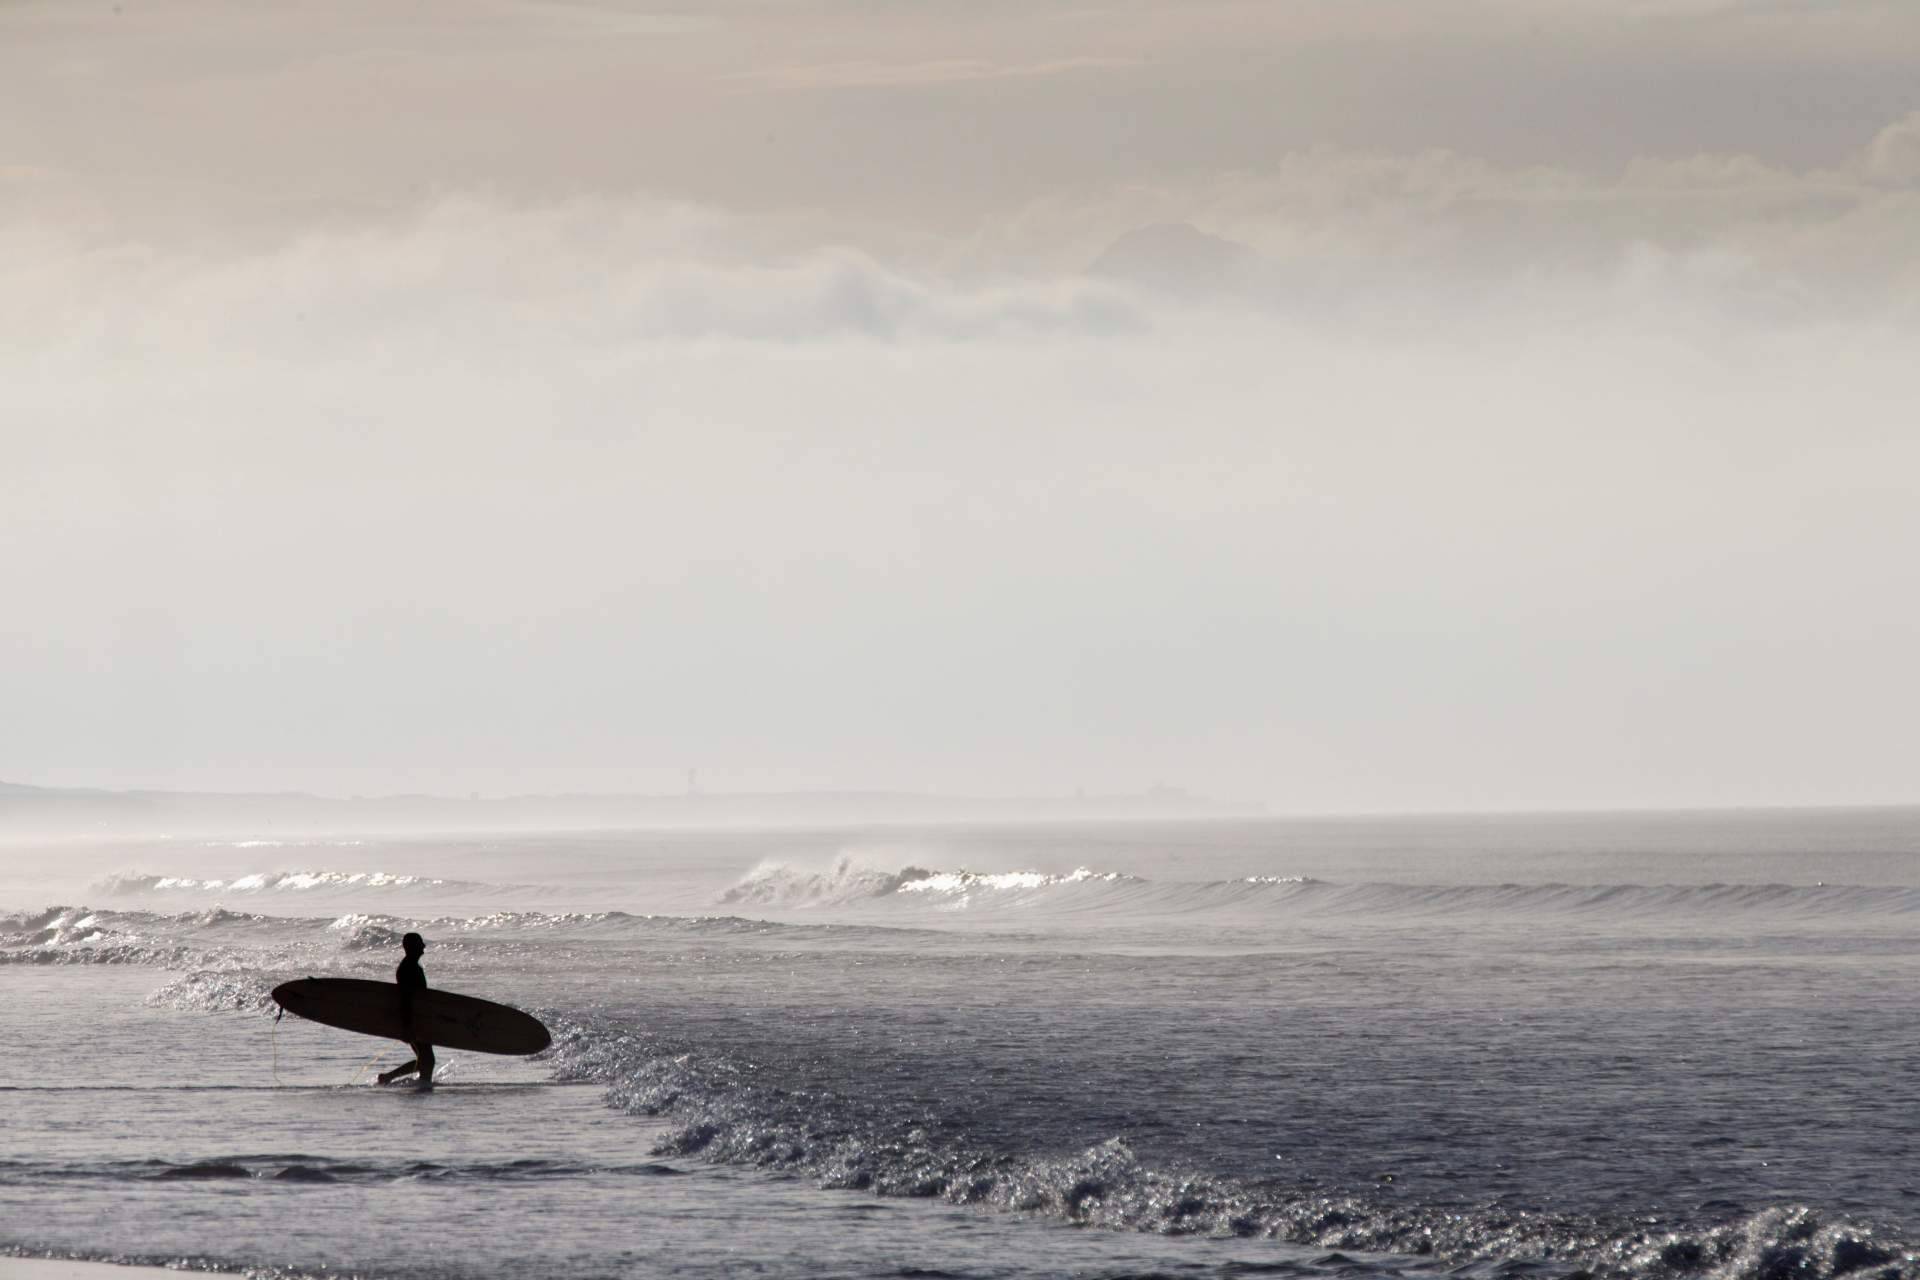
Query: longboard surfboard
x: 445, y: 1019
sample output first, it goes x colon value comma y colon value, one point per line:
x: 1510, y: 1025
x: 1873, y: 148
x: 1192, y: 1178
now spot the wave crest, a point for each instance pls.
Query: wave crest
x: 126, y: 883
x: 847, y: 881
x: 775, y: 884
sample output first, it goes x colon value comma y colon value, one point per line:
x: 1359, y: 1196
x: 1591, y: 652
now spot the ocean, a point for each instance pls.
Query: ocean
x: 1668, y: 1045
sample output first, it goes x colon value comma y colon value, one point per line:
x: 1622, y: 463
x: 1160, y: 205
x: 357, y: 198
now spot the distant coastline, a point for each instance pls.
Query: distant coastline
x: 33, y: 810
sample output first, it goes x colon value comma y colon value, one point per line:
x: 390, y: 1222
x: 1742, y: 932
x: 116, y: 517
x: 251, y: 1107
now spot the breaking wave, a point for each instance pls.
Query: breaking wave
x: 219, y: 938
x: 211, y: 938
x: 723, y: 1110
x: 78, y: 935
x: 847, y: 883
x: 129, y: 883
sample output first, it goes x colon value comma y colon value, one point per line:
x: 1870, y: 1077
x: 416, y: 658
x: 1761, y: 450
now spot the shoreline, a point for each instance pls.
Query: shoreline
x: 19, y: 1268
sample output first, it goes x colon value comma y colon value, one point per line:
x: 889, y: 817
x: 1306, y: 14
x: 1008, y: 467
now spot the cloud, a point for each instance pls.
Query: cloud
x: 1323, y: 236
x: 1894, y: 154
x: 599, y: 274
x: 1336, y: 226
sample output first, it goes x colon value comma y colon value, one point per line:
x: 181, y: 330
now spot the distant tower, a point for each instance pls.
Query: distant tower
x: 693, y: 782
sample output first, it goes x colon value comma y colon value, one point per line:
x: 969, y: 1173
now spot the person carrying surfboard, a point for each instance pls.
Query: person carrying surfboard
x: 412, y: 978
x: 405, y: 1010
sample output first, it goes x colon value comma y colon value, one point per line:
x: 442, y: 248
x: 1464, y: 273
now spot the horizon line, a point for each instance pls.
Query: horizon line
x: 1221, y: 808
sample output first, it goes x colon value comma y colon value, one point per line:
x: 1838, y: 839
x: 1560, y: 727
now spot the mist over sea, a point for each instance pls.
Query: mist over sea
x: 1634, y: 1045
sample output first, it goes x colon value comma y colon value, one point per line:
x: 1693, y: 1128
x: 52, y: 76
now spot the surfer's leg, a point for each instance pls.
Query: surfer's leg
x: 423, y: 1054
x: 405, y: 1069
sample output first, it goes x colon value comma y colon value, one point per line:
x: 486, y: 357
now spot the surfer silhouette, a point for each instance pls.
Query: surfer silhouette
x: 412, y: 978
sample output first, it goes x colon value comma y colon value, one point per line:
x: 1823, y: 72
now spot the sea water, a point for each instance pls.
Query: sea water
x: 1661, y: 1046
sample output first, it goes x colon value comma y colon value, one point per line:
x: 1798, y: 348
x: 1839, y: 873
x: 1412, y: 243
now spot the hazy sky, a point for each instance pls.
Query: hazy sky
x: 1339, y: 404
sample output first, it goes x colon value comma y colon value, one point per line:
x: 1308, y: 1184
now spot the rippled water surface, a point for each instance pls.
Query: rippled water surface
x: 1637, y: 1045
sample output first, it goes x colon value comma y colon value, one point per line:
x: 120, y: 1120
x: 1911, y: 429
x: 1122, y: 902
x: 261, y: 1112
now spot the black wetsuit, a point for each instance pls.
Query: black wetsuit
x: 412, y: 978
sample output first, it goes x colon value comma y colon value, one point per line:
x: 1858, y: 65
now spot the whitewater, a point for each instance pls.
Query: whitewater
x: 1580, y: 1046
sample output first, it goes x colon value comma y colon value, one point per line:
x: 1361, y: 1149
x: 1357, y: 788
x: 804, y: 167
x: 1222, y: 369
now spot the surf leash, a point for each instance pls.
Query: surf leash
x: 378, y: 1056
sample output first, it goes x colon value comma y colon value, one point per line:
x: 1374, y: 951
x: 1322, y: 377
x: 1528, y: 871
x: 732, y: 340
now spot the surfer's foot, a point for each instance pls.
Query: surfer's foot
x: 424, y: 1086
x: 388, y: 1077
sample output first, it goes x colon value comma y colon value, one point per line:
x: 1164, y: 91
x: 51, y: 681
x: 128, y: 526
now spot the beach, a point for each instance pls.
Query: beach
x: 72, y: 1269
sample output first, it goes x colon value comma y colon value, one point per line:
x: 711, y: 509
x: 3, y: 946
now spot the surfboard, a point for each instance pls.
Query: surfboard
x: 444, y: 1019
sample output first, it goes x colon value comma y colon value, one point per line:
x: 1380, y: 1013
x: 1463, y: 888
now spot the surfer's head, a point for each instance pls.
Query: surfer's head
x: 413, y: 944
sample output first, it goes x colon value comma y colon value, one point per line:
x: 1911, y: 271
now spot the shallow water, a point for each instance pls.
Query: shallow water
x: 1643, y: 1045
